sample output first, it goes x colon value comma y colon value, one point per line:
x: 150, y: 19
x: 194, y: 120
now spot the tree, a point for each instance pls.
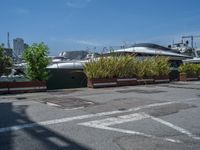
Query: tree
x: 36, y: 57
x: 5, y: 62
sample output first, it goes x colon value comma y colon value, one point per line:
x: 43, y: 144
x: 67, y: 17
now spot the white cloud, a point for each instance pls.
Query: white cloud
x: 77, y: 3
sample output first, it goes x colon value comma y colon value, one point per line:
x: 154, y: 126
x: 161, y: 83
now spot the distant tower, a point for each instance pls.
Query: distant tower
x: 8, y: 40
x: 18, y: 46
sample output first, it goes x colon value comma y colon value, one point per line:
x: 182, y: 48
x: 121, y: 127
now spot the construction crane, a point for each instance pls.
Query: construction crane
x: 192, y: 39
x: 8, y: 40
x: 192, y: 42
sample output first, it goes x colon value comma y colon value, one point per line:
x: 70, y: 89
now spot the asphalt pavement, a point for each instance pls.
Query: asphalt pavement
x: 146, y: 117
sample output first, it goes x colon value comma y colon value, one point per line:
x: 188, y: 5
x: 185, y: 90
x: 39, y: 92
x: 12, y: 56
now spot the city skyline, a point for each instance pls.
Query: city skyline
x: 78, y: 24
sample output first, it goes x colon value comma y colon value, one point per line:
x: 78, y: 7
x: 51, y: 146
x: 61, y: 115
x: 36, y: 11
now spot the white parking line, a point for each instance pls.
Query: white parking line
x: 105, y: 123
x: 184, y: 131
x: 140, y: 134
x: 116, y: 120
x: 64, y: 120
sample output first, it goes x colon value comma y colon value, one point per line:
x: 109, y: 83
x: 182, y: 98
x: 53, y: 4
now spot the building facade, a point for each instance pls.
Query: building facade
x: 18, y: 46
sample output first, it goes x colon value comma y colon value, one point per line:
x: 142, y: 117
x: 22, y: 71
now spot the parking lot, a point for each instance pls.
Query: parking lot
x: 146, y: 117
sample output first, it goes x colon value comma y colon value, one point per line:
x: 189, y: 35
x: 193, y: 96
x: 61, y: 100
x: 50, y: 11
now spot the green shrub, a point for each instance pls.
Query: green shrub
x: 162, y: 66
x: 101, y: 68
x: 152, y: 66
x: 190, y: 69
x: 36, y: 58
x: 5, y: 63
x: 139, y: 69
x: 126, y: 67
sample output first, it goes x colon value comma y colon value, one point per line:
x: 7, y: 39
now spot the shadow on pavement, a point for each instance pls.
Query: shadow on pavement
x: 38, y: 137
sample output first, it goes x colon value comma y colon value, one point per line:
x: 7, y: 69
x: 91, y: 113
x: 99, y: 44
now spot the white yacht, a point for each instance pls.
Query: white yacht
x: 149, y: 49
x: 195, y: 59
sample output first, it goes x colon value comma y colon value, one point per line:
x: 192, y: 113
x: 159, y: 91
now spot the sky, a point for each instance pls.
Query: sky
x: 93, y: 24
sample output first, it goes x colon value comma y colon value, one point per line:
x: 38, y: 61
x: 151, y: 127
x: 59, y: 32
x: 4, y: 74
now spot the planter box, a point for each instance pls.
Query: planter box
x: 185, y: 77
x: 145, y: 81
x: 192, y: 78
x: 126, y: 81
x: 3, y: 87
x: 182, y: 77
x: 97, y: 83
x: 22, y: 87
x: 161, y: 79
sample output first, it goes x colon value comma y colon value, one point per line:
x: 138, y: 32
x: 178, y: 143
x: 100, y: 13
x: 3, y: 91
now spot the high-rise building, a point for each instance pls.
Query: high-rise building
x: 18, y: 46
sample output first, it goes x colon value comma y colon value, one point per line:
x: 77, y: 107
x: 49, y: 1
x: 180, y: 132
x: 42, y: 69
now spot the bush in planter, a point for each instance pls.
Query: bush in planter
x: 145, y: 68
x: 100, y: 68
x: 198, y: 70
x: 111, y: 67
x: 191, y: 70
x: 162, y: 66
x: 125, y: 66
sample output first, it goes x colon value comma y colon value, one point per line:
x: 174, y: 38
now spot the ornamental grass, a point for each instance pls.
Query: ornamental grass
x: 126, y: 67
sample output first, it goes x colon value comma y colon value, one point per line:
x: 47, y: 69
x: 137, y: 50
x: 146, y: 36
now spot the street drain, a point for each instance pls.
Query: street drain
x: 67, y: 102
x: 141, y: 91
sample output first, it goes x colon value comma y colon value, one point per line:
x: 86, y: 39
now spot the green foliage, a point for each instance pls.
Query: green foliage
x: 5, y: 63
x: 162, y: 66
x: 101, y: 68
x: 126, y: 67
x: 36, y: 58
x: 190, y: 69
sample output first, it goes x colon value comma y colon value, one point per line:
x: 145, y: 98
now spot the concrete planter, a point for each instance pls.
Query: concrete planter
x: 145, y: 81
x: 22, y: 87
x: 192, y: 78
x: 161, y: 79
x: 102, y: 82
x: 126, y: 81
x: 4, y: 87
x: 185, y: 77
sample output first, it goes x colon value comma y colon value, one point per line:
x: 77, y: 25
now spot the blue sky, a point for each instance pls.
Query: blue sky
x: 78, y: 24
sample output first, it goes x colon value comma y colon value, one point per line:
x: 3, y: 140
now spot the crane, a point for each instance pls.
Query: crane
x: 192, y: 42
x: 192, y: 39
x: 8, y: 40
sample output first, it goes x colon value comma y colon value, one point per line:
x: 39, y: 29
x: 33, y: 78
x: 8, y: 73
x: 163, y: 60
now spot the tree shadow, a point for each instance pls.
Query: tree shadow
x: 39, y: 137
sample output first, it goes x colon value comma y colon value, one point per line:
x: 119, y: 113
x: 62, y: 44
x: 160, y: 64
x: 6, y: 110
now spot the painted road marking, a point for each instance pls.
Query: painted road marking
x: 138, y: 133
x: 64, y: 120
x: 105, y: 123
x: 184, y: 131
x: 116, y: 120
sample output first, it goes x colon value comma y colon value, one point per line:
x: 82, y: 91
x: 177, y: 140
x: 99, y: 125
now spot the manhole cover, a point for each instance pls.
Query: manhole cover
x: 67, y: 102
x: 141, y: 91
